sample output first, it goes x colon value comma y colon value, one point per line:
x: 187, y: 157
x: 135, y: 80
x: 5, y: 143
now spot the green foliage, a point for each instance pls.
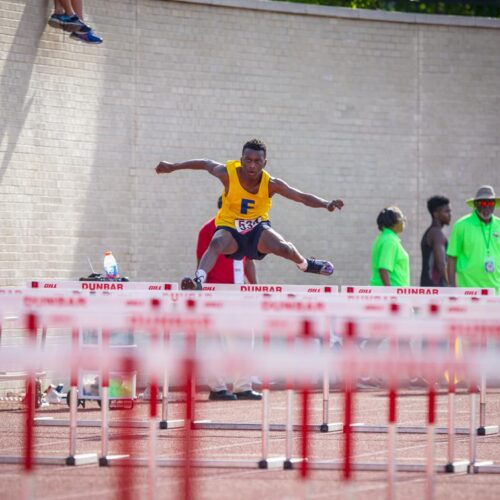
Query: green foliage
x: 485, y: 8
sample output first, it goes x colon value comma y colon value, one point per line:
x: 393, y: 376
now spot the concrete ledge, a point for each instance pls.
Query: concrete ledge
x: 345, y: 13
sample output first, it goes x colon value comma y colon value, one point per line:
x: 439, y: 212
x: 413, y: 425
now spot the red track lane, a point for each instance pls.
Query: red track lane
x: 249, y: 484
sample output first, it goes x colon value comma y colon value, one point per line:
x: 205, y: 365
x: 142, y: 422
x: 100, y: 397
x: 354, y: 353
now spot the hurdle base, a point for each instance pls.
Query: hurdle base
x: 483, y: 466
x: 109, y: 459
x: 90, y: 458
x: 331, y: 427
x: 291, y: 463
x: 201, y: 463
x: 229, y: 426
x: 487, y: 430
x: 406, y: 429
x: 373, y: 466
x: 456, y: 467
x: 137, y: 424
x: 487, y: 467
x: 271, y: 463
x: 82, y: 459
x: 170, y: 424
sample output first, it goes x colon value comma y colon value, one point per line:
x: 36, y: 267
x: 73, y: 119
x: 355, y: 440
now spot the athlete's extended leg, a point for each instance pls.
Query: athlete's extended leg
x: 222, y: 243
x: 272, y: 242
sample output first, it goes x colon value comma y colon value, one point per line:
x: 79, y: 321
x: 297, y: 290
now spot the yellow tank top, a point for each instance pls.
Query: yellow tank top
x: 240, y: 205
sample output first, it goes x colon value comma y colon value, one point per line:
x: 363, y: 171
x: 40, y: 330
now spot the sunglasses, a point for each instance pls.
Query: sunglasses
x: 486, y: 203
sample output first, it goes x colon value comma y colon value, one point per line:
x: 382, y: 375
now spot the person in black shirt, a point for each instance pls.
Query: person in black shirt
x: 434, y: 243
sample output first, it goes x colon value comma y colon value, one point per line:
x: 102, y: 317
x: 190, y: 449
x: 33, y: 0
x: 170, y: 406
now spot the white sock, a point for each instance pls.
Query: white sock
x: 303, y: 265
x: 201, y: 274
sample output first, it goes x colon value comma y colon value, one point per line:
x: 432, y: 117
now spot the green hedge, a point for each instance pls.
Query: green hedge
x: 484, y: 8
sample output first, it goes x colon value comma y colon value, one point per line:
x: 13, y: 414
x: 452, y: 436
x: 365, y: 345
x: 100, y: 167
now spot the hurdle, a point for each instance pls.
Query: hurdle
x: 107, y: 287
x: 446, y: 327
x: 347, y: 465
x: 36, y: 297
x: 322, y: 308
x: 429, y: 467
x: 190, y: 367
x: 420, y: 297
x: 415, y: 291
x: 274, y: 290
x: 478, y: 311
x: 384, y: 309
x: 477, y: 387
x: 29, y: 459
x: 101, y: 286
x: 188, y: 322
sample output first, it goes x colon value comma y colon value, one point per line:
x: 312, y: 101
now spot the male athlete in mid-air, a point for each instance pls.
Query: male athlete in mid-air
x: 242, y: 224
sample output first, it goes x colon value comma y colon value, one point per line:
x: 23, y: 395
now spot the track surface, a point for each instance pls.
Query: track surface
x: 83, y: 482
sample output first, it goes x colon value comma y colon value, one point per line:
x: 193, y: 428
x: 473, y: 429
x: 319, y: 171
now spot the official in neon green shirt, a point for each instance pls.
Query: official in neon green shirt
x: 390, y: 261
x: 474, y: 245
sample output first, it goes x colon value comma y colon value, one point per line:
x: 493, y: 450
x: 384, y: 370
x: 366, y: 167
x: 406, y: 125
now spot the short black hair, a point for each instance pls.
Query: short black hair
x: 389, y: 216
x: 436, y: 202
x: 256, y: 145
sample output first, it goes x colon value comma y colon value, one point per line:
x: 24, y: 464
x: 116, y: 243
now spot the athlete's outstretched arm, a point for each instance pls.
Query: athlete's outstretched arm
x: 281, y: 187
x: 212, y: 167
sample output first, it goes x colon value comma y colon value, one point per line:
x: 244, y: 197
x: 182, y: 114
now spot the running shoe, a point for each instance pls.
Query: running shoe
x: 418, y: 383
x: 86, y: 35
x: 317, y: 266
x: 369, y: 383
x: 52, y: 396
x: 223, y: 395
x: 66, y: 23
x: 249, y: 395
x: 191, y: 284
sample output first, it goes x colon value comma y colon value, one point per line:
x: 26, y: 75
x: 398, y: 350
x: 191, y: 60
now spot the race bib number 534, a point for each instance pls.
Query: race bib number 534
x: 244, y: 226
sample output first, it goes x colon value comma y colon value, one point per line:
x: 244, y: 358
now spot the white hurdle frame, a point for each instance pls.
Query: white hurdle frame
x: 114, y: 287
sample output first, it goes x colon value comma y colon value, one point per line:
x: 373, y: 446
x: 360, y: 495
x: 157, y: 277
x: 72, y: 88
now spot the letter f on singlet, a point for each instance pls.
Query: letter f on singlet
x: 245, y: 205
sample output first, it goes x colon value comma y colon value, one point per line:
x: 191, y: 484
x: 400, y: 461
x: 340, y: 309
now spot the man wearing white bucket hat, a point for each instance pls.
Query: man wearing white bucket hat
x: 474, y: 246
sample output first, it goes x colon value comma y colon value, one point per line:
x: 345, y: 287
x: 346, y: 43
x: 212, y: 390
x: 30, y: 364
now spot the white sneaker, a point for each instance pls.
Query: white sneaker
x: 369, y: 383
x: 52, y: 396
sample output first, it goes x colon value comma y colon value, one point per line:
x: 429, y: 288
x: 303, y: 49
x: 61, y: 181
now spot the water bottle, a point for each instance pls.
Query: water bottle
x: 110, y: 266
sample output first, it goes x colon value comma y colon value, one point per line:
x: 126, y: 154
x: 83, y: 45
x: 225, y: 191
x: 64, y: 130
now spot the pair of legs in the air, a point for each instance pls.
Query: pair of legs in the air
x: 270, y: 242
x: 68, y: 16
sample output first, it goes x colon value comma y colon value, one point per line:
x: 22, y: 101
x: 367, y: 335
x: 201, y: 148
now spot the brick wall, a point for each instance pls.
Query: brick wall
x: 375, y: 108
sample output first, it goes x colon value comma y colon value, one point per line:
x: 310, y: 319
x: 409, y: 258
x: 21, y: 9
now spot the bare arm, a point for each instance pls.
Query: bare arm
x: 250, y: 271
x: 438, y: 242
x: 310, y: 200
x: 212, y: 167
x: 384, y: 276
x: 452, y: 265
